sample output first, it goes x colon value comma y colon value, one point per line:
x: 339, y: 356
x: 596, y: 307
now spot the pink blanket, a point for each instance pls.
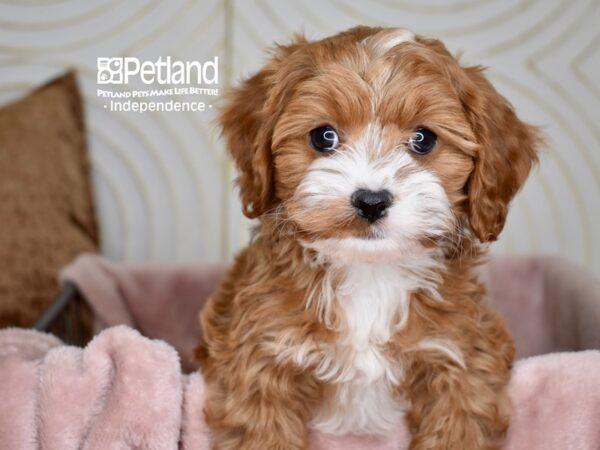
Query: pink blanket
x: 127, y: 391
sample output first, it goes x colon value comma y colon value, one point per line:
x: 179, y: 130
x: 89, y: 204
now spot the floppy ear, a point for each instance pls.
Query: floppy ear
x: 507, y: 150
x: 247, y: 121
x: 241, y: 121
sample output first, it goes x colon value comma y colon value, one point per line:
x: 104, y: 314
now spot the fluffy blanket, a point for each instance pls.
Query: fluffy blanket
x: 127, y: 391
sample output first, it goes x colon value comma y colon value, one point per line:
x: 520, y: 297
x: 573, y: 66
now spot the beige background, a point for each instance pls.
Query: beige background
x: 163, y: 185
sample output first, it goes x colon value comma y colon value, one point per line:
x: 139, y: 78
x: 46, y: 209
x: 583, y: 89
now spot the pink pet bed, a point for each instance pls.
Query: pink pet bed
x: 127, y: 390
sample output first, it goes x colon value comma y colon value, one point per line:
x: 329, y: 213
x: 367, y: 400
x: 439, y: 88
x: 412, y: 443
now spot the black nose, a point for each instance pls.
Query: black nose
x: 371, y: 205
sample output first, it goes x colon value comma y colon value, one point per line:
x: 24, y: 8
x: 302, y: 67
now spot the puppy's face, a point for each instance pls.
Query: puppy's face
x: 376, y: 145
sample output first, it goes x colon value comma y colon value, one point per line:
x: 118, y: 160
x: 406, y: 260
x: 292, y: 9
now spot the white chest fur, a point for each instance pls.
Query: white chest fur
x: 375, y: 302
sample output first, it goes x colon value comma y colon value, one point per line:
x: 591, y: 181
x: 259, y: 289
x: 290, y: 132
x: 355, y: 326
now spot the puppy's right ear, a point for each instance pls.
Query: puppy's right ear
x: 247, y: 121
x: 241, y: 120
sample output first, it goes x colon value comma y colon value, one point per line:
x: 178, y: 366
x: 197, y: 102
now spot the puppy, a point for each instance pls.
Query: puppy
x: 378, y: 168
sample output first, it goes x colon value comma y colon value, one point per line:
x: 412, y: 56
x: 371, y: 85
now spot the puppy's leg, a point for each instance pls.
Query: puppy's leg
x: 266, y: 409
x: 456, y: 408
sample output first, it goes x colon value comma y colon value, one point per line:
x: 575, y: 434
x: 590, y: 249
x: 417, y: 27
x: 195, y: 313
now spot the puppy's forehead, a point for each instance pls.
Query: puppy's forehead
x: 380, y: 43
x: 389, y: 76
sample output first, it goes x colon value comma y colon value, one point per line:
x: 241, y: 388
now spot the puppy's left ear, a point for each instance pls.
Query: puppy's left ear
x: 507, y: 150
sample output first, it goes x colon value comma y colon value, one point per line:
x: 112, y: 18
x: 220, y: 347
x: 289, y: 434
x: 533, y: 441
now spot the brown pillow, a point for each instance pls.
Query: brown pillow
x: 46, y: 208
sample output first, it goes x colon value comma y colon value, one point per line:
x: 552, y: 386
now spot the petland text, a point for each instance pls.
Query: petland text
x: 122, y: 70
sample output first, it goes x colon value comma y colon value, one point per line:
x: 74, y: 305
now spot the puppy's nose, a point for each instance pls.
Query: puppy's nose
x: 371, y: 205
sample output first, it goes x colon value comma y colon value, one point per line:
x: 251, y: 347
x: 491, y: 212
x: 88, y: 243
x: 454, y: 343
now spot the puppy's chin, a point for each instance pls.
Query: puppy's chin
x: 352, y: 250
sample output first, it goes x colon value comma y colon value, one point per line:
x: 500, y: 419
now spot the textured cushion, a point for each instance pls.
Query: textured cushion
x: 46, y: 208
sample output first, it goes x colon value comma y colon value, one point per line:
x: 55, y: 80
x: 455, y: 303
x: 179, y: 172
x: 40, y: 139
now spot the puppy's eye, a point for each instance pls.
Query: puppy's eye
x: 324, y: 139
x: 422, y: 142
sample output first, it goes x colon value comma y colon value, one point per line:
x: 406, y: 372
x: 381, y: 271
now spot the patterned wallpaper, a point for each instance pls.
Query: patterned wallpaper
x: 162, y: 182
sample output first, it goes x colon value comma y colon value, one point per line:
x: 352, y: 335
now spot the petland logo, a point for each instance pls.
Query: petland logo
x: 162, y: 71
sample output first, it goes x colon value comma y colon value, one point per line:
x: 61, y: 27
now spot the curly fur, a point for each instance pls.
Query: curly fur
x: 326, y: 321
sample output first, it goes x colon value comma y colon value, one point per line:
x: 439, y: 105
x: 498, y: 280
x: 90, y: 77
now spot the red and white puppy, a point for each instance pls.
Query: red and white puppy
x: 378, y: 168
